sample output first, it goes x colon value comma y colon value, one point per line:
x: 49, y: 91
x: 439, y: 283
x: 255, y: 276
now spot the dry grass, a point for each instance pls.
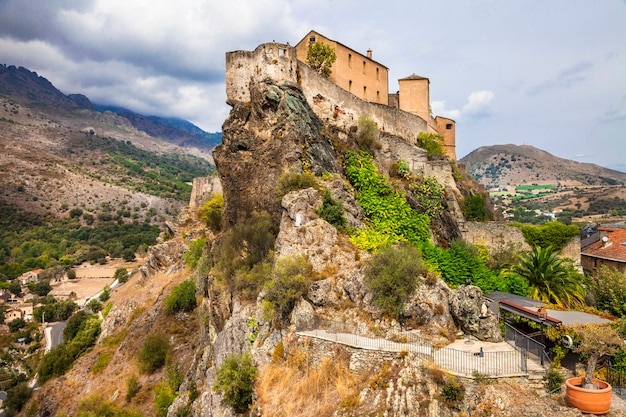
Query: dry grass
x: 285, y: 390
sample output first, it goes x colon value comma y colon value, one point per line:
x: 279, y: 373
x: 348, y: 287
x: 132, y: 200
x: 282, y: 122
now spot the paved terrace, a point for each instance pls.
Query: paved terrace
x: 462, y: 358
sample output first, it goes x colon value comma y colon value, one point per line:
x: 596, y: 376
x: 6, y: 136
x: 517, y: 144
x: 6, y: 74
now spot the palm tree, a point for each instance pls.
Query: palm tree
x: 548, y: 279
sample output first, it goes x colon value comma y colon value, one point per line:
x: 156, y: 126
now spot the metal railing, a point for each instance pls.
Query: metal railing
x: 524, y: 342
x: 616, y: 376
x: 460, y: 362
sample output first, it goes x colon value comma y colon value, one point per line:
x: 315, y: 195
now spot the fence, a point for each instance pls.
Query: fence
x: 459, y: 362
x: 616, y: 376
x: 530, y: 345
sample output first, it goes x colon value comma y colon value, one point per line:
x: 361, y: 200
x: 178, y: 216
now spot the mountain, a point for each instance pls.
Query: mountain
x: 57, y: 154
x: 508, y: 165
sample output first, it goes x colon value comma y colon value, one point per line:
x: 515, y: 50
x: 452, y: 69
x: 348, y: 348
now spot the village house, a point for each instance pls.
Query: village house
x: 606, y: 247
x: 30, y: 276
x: 12, y: 314
x: 368, y: 79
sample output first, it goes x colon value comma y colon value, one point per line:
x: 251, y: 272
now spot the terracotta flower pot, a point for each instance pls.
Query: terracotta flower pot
x: 594, y: 401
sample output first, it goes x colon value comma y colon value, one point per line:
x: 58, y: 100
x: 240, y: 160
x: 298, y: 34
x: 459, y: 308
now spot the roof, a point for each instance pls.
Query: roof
x: 614, y: 248
x: 528, y: 308
x: 413, y: 77
x: 306, y: 37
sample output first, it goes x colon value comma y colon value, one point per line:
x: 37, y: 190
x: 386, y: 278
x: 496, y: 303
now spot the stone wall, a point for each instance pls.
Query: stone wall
x: 494, y: 235
x: 201, y: 189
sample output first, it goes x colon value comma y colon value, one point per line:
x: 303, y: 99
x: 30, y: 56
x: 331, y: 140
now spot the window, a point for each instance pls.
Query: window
x: 312, y: 39
x: 448, y: 126
x: 378, y: 96
x: 377, y: 74
x: 281, y: 52
x: 349, y: 60
x: 365, y: 93
x: 364, y: 67
x: 350, y: 86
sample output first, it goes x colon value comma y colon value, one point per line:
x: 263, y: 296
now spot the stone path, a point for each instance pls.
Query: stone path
x: 461, y: 357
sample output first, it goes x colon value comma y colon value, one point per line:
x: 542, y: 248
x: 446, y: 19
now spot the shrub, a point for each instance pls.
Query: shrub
x: 431, y: 143
x: 367, y: 133
x: 105, y: 294
x: 428, y: 194
x: 321, y: 56
x: 17, y: 397
x: 102, y: 363
x: 392, y: 275
x: 75, y: 324
x: 553, y: 379
x: 332, y: 211
x: 452, y: 392
x: 94, y: 305
x: 290, y: 280
x: 192, y: 256
x: 182, y: 298
x: 211, y: 212
x: 554, y: 234
x: 16, y: 324
x: 132, y: 387
x: 235, y: 381
x: 294, y: 181
x: 163, y: 398
x: 475, y: 208
x: 95, y: 405
x: 121, y: 275
x: 609, y: 288
x: 153, y: 352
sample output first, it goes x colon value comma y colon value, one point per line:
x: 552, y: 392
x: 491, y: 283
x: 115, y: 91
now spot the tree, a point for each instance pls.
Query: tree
x: 475, y: 208
x: 105, y: 294
x: 211, y: 212
x: 182, y: 298
x: 235, y: 381
x: 121, y: 275
x: 321, y: 57
x: 595, y: 341
x: 153, y: 352
x: 548, y: 278
x: 71, y: 274
x: 609, y: 288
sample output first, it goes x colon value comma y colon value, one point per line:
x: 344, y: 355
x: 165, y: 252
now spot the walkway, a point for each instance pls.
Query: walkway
x: 461, y: 358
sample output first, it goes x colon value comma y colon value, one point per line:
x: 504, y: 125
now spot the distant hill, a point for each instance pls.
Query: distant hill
x: 502, y: 165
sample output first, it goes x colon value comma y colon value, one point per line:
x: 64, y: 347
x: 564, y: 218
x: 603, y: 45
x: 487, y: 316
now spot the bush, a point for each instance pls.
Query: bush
x: 452, y: 392
x: 192, y: 256
x: 211, y: 212
x: 105, y: 294
x: 94, y: 305
x: 235, y: 381
x: 95, y: 405
x: 182, y: 298
x: 332, y: 211
x: 609, y: 288
x: 475, y: 208
x: 553, y: 379
x: 163, y: 398
x: 74, y: 325
x: 431, y: 143
x: 392, y: 275
x: 321, y: 56
x: 121, y: 275
x: 16, y: 324
x: 550, y: 234
x: 153, y: 352
x: 367, y: 133
x: 293, y: 181
x: 132, y: 387
x: 17, y: 397
x: 290, y: 281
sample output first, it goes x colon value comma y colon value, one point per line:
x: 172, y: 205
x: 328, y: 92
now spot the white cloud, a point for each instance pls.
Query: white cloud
x: 478, y: 106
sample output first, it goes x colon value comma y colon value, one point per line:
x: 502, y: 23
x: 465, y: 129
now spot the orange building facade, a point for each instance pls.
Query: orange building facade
x: 369, y: 80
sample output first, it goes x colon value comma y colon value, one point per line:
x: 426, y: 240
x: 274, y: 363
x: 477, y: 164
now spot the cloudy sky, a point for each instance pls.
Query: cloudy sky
x: 548, y: 73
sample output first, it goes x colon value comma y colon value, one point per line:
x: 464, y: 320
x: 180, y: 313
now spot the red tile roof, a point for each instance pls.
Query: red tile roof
x: 614, y: 248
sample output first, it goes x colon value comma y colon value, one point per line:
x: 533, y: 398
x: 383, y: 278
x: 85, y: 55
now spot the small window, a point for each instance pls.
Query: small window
x: 449, y: 126
x: 364, y: 63
x: 312, y: 39
x: 377, y: 74
x: 364, y: 93
x: 350, y: 86
x: 281, y: 52
x: 349, y: 60
x: 378, y: 96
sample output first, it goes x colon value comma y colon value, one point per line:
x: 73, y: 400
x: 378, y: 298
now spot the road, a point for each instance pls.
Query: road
x: 54, y: 334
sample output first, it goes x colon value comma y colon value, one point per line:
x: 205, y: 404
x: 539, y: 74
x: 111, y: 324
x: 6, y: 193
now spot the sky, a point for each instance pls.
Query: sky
x: 546, y: 73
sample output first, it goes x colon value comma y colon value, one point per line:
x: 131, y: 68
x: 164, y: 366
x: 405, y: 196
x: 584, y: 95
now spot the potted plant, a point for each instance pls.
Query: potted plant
x: 586, y: 393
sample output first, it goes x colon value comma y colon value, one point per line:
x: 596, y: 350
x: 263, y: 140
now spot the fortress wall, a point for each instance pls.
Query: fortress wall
x: 269, y: 60
x: 202, y: 188
x: 494, y: 235
x: 331, y: 102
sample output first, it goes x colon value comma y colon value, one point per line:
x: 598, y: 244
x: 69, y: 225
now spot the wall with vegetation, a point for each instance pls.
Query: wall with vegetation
x: 494, y: 235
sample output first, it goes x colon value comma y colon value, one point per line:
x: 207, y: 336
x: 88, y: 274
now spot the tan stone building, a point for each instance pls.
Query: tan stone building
x: 369, y: 80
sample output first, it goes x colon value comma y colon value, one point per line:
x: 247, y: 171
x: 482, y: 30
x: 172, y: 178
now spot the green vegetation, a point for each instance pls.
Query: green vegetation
x: 289, y: 281
x: 332, y: 211
x: 609, y: 289
x: 235, y: 381
x: 182, y: 298
x: 367, y: 133
x: 549, y: 279
x: 55, y: 363
x: 534, y: 187
x: 163, y: 398
x: 321, y: 57
x: 211, y: 212
x: 293, y: 181
x: 551, y: 234
x: 475, y: 208
x: 553, y: 379
x: 95, y: 405
x: 153, y: 353
x: 121, y: 275
x: 132, y: 387
x: 193, y: 255
x: 392, y: 275
x: 161, y: 174
x: 428, y: 194
x: 431, y: 143
x: 17, y: 398
x: 28, y: 245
